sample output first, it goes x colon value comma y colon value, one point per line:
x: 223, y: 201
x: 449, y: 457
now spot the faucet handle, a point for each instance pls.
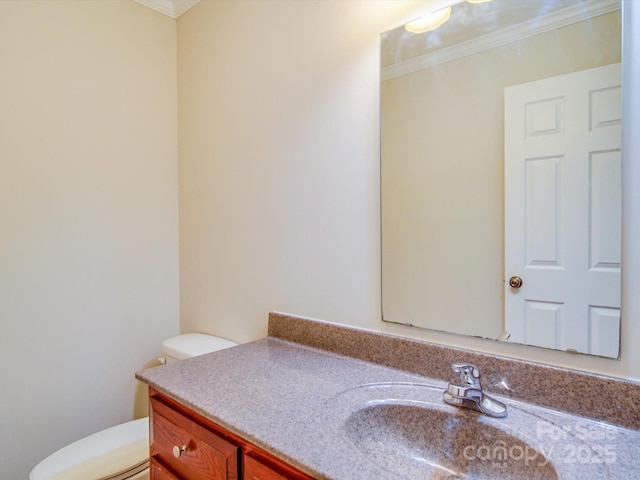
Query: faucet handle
x: 469, y: 374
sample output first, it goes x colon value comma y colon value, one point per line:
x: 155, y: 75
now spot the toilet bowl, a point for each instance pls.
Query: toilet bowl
x: 121, y: 452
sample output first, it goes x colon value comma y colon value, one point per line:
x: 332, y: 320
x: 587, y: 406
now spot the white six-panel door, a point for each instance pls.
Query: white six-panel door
x: 563, y: 211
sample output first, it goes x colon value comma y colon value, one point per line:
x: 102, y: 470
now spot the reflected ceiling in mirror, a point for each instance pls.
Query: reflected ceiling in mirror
x: 500, y: 148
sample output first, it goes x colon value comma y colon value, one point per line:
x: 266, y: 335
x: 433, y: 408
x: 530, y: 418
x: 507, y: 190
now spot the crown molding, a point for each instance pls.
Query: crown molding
x: 519, y: 31
x: 172, y: 8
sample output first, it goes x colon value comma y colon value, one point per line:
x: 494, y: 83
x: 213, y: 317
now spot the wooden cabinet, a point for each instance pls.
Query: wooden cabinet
x: 187, y: 446
x: 254, y: 469
x: 258, y: 466
x: 190, y: 448
x: 159, y: 472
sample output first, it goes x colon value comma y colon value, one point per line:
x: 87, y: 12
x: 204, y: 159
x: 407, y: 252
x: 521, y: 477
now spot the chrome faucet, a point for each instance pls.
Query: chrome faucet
x: 468, y: 392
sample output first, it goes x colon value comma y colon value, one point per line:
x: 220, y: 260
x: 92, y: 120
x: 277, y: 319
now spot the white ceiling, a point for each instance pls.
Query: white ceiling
x: 172, y: 8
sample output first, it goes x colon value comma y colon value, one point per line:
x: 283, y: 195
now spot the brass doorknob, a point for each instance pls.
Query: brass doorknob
x: 515, y: 282
x: 177, y: 450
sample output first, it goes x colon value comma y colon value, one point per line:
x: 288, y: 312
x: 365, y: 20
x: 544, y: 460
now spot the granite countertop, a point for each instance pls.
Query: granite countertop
x: 296, y: 402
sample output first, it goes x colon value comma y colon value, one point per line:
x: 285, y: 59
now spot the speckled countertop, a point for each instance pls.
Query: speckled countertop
x: 337, y: 416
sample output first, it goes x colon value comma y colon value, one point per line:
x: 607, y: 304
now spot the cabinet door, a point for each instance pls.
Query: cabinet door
x: 158, y: 472
x: 188, y: 448
x: 258, y: 467
x: 255, y: 470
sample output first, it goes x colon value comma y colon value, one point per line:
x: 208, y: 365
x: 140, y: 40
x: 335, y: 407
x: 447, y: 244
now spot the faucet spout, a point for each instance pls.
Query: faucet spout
x: 468, y: 392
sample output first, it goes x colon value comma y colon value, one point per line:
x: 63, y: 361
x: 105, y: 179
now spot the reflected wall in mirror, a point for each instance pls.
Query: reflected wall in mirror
x: 500, y: 165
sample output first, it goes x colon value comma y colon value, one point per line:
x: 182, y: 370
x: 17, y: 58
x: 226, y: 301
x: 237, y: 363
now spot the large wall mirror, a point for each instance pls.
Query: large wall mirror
x: 501, y: 173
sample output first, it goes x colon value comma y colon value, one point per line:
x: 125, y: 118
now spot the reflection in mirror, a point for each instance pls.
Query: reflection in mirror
x: 501, y: 181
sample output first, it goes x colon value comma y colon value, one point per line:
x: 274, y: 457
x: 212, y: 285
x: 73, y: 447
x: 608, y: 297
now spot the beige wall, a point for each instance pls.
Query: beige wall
x: 278, y: 134
x: 279, y: 174
x: 88, y: 216
x: 443, y: 175
x: 279, y: 201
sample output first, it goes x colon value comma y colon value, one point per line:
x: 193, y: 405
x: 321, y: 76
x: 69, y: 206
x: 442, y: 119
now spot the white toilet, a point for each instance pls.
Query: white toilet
x: 121, y: 452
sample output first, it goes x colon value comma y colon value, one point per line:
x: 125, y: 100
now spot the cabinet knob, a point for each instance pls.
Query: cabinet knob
x: 177, y: 451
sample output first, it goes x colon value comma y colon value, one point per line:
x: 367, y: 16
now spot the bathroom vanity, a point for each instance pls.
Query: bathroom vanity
x: 320, y: 401
x: 192, y: 446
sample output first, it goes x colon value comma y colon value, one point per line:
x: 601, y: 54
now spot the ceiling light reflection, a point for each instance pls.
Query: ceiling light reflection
x: 429, y: 22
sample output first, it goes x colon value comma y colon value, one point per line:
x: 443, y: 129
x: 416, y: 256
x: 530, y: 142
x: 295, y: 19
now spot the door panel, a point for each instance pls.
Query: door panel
x: 563, y: 211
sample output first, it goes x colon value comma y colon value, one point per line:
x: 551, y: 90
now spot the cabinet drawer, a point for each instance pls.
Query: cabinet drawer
x: 188, y: 448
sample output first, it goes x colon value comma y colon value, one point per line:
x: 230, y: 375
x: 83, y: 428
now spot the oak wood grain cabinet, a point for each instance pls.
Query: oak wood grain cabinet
x: 260, y: 467
x: 186, y: 446
x: 159, y: 472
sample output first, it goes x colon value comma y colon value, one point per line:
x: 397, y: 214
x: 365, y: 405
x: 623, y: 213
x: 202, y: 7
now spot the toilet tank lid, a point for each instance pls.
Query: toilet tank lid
x: 193, y: 344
